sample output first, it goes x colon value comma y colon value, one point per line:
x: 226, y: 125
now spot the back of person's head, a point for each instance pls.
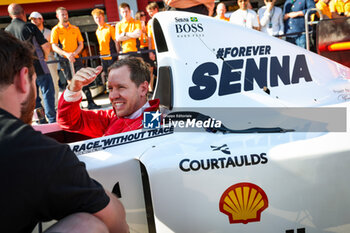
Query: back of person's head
x: 152, y: 6
x: 124, y: 5
x: 97, y: 12
x: 14, y: 55
x: 61, y: 8
x: 15, y: 9
x: 139, y: 71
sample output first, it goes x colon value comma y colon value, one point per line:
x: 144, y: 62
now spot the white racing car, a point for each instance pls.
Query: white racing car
x: 257, y: 138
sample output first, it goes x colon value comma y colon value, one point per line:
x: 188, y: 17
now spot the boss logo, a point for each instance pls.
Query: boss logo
x: 189, y: 28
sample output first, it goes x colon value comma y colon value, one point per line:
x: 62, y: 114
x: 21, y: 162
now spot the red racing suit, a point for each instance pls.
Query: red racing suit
x: 99, y: 123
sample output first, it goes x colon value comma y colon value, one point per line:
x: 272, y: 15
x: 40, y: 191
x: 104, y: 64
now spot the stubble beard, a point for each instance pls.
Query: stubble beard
x: 28, y: 106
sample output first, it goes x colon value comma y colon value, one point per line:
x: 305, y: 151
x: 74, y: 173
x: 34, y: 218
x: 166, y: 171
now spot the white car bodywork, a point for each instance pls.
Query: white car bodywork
x: 173, y: 181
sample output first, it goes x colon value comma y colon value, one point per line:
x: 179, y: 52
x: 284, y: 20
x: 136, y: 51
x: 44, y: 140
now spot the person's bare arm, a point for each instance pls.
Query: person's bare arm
x: 117, y: 45
x: 60, y: 51
x: 134, y: 34
x: 293, y: 14
x: 68, y: 55
x: 46, y: 48
x: 118, y: 36
x: 256, y: 28
x: 76, y: 52
x: 113, y: 215
x: 127, y: 35
x: 80, y: 47
x: 121, y: 37
x: 78, y: 222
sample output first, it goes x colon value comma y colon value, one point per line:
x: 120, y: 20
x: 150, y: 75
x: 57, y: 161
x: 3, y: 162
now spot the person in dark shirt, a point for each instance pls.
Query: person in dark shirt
x: 294, y: 22
x: 43, y: 180
x: 29, y: 32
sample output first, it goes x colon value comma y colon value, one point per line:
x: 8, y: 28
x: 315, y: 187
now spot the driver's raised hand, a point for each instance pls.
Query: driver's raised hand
x: 83, y: 77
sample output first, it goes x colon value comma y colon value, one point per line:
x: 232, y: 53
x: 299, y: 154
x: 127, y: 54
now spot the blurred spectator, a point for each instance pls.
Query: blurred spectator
x: 28, y: 31
x: 245, y: 17
x: 127, y: 30
x: 152, y: 9
x: 105, y: 34
x: 323, y: 6
x: 340, y: 8
x: 204, y: 7
x: 271, y: 18
x: 294, y: 11
x: 220, y: 12
x: 141, y: 16
x: 70, y: 38
x: 37, y: 19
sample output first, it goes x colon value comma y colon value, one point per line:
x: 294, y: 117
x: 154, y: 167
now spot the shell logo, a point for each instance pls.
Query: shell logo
x: 243, y: 203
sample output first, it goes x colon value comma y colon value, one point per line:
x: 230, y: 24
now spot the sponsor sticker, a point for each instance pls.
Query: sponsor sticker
x: 188, y: 27
x: 193, y: 165
x: 118, y: 140
x: 243, y: 203
x: 224, y: 149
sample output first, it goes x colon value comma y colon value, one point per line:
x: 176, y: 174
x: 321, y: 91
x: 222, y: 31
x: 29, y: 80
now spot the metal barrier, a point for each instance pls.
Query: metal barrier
x: 307, y: 32
x: 103, y: 56
x: 307, y: 23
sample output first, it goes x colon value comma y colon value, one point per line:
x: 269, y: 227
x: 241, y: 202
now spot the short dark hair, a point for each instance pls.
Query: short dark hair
x: 14, y: 55
x: 124, y: 5
x: 138, y: 68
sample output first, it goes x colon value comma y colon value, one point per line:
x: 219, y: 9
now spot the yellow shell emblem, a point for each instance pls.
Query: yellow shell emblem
x: 243, y: 203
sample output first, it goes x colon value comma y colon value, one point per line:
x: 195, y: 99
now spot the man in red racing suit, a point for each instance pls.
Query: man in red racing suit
x: 127, y: 84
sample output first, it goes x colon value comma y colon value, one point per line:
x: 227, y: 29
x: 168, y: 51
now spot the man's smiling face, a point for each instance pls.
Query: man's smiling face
x: 126, y: 97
